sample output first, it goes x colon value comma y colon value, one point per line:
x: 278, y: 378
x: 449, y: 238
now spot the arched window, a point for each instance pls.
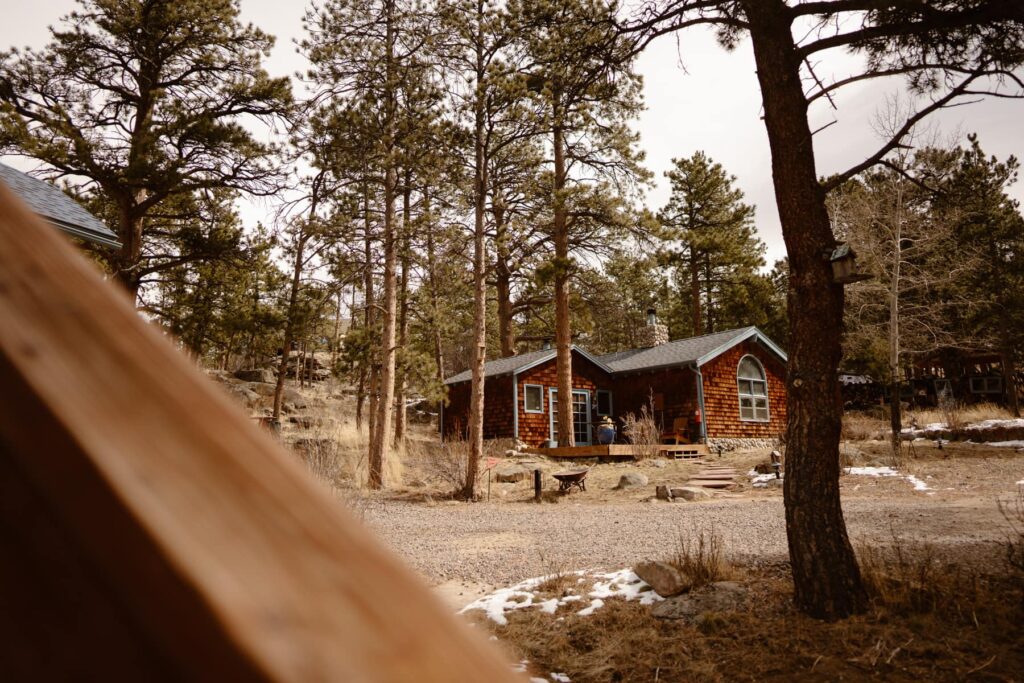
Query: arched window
x: 753, y: 389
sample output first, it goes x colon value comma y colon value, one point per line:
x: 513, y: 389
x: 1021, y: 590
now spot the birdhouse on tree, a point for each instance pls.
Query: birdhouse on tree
x: 844, y: 265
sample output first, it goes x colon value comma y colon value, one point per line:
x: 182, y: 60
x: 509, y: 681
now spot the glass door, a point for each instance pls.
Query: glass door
x: 580, y: 416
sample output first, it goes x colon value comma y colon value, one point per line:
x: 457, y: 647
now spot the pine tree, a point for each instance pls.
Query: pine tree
x: 586, y: 92
x: 145, y: 100
x: 712, y: 241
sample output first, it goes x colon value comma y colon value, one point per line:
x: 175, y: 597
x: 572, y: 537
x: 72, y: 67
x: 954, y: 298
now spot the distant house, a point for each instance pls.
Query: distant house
x: 57, y: 208
x: 719, y: 388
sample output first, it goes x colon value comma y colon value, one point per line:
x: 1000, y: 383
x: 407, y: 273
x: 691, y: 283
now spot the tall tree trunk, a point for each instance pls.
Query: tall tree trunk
x: 435, y: 303
x: 381, y: 438
x: 563, y: 329
x: 128, y: 259
x: 698, y: 324
x: 367, y: 373
x: 337, y: 329
x: 895, y: 407
x: 1010, y: 380
x: 476, y: 400
x: 503, y: 282
x: 289, y: 326
x: 403, y: 319
x: 826, y: 578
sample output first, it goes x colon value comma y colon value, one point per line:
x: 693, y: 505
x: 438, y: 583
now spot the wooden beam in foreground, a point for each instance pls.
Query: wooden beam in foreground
x: 149, y: 531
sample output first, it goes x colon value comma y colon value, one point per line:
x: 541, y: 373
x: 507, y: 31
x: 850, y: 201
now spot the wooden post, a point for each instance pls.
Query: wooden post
x: 536, y: 485
x: 148, y: 530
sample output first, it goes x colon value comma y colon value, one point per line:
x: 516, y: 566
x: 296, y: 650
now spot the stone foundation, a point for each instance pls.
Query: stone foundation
x: 741, y: 443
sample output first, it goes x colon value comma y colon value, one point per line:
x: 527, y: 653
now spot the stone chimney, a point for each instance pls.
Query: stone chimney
x: 653, y: 333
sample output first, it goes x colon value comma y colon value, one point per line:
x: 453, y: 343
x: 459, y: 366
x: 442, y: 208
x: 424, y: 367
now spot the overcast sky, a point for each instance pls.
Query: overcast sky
x: 709, y: 102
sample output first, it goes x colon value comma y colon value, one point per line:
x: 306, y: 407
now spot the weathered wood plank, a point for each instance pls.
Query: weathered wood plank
x: 176, y: 537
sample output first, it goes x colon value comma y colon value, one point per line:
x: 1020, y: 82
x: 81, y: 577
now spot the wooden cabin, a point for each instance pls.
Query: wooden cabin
x: 724, y: 388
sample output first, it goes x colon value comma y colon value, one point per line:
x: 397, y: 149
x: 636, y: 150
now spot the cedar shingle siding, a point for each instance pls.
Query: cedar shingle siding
x: 671, y: 388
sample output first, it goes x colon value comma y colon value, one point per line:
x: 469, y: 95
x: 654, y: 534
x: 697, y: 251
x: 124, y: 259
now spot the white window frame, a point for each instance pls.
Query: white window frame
x: 611, y: 404
x: 526, y: 407
x: 752, y: 396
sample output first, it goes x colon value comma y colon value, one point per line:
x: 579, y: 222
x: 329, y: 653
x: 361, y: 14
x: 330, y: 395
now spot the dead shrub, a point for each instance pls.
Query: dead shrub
x: 643, y: 432
x: 700, y: 555
x: 952, y: 414
x: 557, y: 577
x: 447, y: 462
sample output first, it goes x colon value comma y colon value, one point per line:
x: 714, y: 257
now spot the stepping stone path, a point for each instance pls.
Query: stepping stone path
x: 714, y: 477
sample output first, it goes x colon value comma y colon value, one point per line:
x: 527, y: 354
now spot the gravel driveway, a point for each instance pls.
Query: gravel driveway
x: 500, y: 544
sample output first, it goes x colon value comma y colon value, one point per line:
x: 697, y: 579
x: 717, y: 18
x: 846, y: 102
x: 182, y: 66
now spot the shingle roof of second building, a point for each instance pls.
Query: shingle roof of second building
x: 679, y: 352
x: 57, y: 207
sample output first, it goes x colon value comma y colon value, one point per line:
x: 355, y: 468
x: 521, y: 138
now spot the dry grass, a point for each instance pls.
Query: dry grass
x: 906, y: 578
x: 961, y: 414
x: 973, y: 633
x: 862, y: 427
x: 700, y: 555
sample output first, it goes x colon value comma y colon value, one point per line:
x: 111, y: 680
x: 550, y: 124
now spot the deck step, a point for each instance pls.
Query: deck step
x: 711, y: 483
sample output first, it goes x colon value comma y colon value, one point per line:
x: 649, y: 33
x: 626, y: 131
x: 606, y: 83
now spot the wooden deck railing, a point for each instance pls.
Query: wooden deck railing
x: 149, y: 531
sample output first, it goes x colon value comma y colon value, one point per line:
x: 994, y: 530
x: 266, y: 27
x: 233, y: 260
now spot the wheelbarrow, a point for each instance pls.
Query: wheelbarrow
x: 571, y: 478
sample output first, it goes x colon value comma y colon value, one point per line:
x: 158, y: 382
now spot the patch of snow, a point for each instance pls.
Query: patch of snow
x: 560, y: 678
x: 1007, y: 444
x: 995, y: 424
x: 521, y: 666
x: 549, y: 606
x: 623, y: 584
x: 760, y: 481
x: 873, y: 471
x: 890, y: 472
x: 920, y: 485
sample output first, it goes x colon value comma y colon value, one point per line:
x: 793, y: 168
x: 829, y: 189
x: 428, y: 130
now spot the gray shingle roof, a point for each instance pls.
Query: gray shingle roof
x: 503, y: 366
x: 58, y: 208
x: 680, y: 352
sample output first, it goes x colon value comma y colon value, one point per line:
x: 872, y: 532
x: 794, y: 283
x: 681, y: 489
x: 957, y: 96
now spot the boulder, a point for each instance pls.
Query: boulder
x: 662, y: 493
x: 665, y: 579
x: 256, y: 375
x: 261, y: 388
x: 631, y: 480
x: 249, y: 397
x: 722, y: 596
x: 511, y: 473
x: 691, y: 493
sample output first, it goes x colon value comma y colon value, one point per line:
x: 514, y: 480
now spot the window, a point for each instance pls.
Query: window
x: 986, y: 385
x: 604, y: 402
x: 533, y: 398
x: 753, y: 389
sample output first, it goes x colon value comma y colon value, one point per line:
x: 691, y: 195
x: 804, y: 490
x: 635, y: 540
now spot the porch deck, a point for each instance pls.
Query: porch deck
x: 678, y: 451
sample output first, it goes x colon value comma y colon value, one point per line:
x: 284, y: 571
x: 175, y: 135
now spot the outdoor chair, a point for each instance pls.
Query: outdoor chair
x: 679, y: 434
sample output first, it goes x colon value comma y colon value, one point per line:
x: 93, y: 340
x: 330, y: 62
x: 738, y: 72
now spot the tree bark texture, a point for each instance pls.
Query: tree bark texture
x: 476, y: 400
x: 403, y: 319
x: 826, y: 578
x: 381, y: 440
x: 503, y: 283
x: 563, y: 328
